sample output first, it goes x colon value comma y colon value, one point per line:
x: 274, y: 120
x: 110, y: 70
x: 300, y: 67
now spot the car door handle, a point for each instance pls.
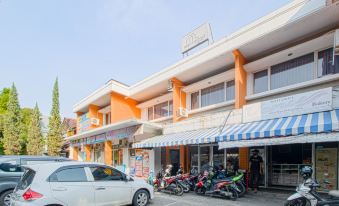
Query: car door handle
x: 100, y: 188
x: 59, y: 189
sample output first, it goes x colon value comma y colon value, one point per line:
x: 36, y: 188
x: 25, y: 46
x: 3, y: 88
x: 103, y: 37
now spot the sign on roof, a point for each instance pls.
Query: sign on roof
x: 198, y: 36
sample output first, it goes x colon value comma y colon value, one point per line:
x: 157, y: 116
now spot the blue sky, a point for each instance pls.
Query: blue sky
x: 85, y: 43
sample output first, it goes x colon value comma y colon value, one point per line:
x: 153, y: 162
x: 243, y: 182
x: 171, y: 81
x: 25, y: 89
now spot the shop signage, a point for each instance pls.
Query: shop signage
x: 304, y: 103
x: 100, y: 138
x: 84, y: 122
x: 198, y: 36
x: 121, y: 133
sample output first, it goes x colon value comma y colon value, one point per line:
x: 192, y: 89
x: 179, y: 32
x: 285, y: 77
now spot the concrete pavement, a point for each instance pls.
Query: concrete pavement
x: 191, y: 199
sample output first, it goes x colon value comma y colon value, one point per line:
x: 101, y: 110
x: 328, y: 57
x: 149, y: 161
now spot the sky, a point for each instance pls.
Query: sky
x: 85, y: 43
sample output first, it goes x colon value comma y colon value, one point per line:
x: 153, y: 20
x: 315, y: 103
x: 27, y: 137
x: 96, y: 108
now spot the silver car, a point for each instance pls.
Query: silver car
x: 79, y: 184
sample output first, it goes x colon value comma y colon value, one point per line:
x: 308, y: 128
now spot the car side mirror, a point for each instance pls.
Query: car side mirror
x: 128, y: 178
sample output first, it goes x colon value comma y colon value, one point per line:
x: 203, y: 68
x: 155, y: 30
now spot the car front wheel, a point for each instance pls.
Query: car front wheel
x: 141, y: 198
x: 5, y: 198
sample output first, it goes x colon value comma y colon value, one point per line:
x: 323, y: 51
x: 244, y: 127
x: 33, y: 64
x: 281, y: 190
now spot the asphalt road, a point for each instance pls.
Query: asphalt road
x: 191, y: 199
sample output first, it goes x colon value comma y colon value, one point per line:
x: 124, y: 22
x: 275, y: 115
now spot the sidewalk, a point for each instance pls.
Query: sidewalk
x: 262, y: 198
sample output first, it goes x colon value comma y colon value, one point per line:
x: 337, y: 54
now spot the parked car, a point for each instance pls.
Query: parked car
x: 79, y: 184
x: 11, y: 171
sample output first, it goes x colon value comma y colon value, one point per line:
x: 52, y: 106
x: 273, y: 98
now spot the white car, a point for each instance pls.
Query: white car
x: 79, y: 184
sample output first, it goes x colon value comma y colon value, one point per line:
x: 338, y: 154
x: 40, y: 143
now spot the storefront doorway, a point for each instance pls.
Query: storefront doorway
x: 117, y: 157
x: 175, y: 160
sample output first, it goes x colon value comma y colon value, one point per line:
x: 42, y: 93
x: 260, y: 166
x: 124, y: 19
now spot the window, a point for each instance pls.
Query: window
x: 164, y: 109
x: 106, y: 174
x: 293, y: 71
x: 161, y: 110
x: 195, y: 100
x: 260, y: 81
x: 325, y: 63
x: 150, y: 113
x: 11, y: 166
x: 26, y: 180
x: 107, y: 119
x: 69, y: 175
x: 213, y: 95
x: 230, y: 90
x: 218, y: 156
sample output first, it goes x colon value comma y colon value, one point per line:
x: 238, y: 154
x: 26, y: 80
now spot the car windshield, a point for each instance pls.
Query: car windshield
x: 26, y: 179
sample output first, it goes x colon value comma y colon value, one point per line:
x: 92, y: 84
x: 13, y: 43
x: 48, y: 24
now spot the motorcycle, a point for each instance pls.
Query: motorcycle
x: 164, y: 183
x: 237, y: 178
x: 191, y: 179
x: 306, y: 195
x: 181, y: 178
x: 213, y: 187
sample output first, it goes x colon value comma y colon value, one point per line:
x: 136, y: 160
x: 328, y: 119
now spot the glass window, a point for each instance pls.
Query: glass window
x: 230, y: 90
x: 325, y: 63
x: 195, y: 100
x: 194, y: 157
x: 260, y: 81
x: 204, y: 156
x: 213, y: 95
x: 106, y: 174
x: 11, y: 166
x: 161, y: 110
x: 26, y: 179
x: 170, y: 109
x: 70, y: 175
x: 291, y: 72
x: 218, y: 156
x: 150, y: 113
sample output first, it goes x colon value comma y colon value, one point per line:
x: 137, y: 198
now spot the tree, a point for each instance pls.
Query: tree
x: 54, y: 136
x: 35, y: 140
x: 4, y: 97
x: 12, y: 120
x: 26, y: 116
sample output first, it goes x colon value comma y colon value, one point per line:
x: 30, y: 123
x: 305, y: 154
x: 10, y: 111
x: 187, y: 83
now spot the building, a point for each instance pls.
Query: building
x: 272, y: 85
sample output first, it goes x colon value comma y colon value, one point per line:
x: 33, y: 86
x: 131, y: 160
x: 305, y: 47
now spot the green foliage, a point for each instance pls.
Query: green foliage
x: 54, y: 137
x: 26, y: 116
x: 12, y: 122
x: 35, y: 140
x: 4, y: 97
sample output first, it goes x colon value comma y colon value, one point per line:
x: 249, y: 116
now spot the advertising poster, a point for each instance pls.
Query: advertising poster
x: 84, y: 123
x: 138, y: 163
x: 326, y: 167
x: 145, y: 164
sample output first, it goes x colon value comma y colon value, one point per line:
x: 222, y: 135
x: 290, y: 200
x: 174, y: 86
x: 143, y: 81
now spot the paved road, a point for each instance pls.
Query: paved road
x: 191, y: 199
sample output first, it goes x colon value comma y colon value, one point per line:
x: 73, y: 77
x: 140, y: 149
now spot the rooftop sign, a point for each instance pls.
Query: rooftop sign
x: 198, y: 36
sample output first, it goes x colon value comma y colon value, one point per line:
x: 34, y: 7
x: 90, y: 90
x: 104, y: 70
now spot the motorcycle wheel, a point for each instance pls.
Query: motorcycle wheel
x: 242, y: 189
x: 234, y: 195
x: 297, y: 202
x: 199, y: 191
x: 179, y: 190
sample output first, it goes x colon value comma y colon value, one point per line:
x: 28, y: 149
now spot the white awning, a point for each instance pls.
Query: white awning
x: 200, y: 136
x: 307, y: 138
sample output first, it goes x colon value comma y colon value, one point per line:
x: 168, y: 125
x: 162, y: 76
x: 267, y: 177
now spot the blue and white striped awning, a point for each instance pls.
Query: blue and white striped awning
x: 319, y: 122
x: 201, y: 136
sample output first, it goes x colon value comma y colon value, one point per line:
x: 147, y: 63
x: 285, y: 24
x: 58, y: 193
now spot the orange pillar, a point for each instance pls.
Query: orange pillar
x: 240, y: 99
x: 88, y: 152
x: 108, y: 153
x: 93, y: 113
x: 240, y: 79
x: 75, y: 153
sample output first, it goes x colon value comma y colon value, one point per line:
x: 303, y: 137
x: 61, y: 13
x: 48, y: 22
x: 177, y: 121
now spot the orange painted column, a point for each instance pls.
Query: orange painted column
x: 123, y: 108
x: 108, y: 153
x: 179, y: 101
x: 75, y: 153
x: 93, y: 113
x: 88, y: 152
x: 240, y: 99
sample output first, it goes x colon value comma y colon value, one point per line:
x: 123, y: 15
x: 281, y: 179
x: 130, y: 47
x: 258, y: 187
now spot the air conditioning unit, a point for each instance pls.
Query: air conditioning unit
x: 336, y: 42
x: 182, y: 112
x: 95, y: 121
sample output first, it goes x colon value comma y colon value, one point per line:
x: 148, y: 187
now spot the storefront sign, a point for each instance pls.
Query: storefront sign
x: 121, y: 133
x: 100, y: 138
x: 200, y: 35
x: 84, y: 123
x: 304, y: 103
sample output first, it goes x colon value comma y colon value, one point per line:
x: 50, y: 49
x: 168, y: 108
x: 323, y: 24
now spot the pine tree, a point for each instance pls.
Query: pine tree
x: 35, y: 141
x: 12, y: 122
x: 54, y: 137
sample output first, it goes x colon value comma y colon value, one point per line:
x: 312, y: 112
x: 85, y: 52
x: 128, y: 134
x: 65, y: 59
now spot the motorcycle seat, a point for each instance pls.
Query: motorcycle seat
x: 334, y: 193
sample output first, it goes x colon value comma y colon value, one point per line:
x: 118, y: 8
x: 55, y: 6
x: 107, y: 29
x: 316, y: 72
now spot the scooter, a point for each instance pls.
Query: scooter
x: 306, y: 195
x: 213, y: 187
x: 166, y: 184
